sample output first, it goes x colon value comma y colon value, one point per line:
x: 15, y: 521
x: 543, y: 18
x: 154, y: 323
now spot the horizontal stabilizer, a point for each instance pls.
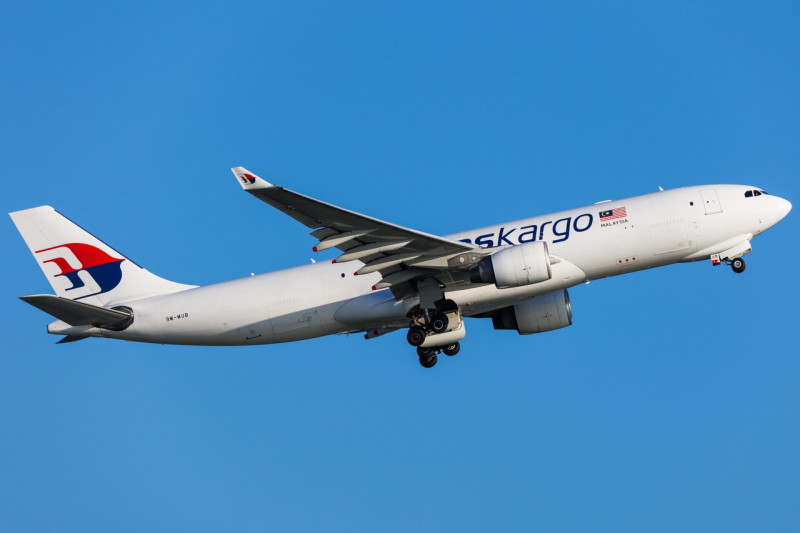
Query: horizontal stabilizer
x: 71, y: 338
x: 73, y: 312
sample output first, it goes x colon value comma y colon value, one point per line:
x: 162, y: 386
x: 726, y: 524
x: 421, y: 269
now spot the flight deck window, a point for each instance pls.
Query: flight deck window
x: 756, y: 193
x: 748, y: 194
x: 765, y: 192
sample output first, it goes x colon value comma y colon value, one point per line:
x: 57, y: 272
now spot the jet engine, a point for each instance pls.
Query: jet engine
x: 545, y: 313
x: 517, y: 266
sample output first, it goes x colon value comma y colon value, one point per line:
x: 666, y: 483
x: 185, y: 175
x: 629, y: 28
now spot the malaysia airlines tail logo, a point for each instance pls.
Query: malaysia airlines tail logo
x: 247, y: 178
x: 104, y: 269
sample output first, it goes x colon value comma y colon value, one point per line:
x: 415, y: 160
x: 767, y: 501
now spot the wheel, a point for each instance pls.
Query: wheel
x: 416, y: 336
x: 452, y: 349
x: 439, y: 323
x: 425, y: 353
x: 428, y: 362
x: 738, y: 265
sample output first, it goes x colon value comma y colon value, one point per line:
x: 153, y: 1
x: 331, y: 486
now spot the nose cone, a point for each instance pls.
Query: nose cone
x: 784, y: 206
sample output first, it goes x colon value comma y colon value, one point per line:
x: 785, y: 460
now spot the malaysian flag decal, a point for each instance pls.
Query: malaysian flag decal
x: 614, y: 213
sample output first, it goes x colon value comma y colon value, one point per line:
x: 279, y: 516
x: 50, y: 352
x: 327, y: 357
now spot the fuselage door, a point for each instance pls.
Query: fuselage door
x: 711, y: 201
x: 668, y: 237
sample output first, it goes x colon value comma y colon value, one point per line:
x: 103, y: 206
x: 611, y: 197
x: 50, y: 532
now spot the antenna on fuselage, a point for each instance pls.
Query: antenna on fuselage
x: 660, y: 189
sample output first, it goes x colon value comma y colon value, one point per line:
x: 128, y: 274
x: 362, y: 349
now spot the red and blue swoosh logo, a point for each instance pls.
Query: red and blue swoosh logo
x: 104, y: 269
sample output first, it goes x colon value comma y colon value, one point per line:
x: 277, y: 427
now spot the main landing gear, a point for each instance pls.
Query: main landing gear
x: 738, y: 265
x: 435, y: 325
x: 416, y: 335
x: 427, y: 356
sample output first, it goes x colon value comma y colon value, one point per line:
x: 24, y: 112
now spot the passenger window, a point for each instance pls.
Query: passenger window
x: 748, y: 194
x: 756, y: 193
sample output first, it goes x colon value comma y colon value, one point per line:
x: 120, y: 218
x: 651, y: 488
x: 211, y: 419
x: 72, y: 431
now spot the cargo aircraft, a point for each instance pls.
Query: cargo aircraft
x: 389, y: 277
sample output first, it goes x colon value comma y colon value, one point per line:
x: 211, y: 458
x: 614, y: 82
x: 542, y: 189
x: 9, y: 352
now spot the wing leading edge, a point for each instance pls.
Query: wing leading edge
x: 382, y: 246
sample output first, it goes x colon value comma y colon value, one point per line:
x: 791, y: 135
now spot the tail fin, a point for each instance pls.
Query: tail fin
x: 80, y: 266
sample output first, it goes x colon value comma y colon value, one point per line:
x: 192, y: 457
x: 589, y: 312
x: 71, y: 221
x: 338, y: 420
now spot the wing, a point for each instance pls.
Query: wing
x: 399, y: 254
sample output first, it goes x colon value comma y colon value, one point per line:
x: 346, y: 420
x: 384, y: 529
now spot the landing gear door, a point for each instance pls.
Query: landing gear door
x: 711, y: 201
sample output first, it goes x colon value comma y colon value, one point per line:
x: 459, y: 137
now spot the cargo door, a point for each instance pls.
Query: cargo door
x: 668, y: 237
x: 711, y: 201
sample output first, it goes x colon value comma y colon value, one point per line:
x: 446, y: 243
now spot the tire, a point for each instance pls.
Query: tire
x: 428, y: 362
x: 452, y: 349
x: 738, y: 265
x: 439, y: 323
x: 424, y: 353
x: 416, y: 336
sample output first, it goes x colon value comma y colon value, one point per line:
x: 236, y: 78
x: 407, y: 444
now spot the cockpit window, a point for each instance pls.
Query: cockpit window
x: 748, y: 194
x: 756, y: 193
x: 765, y: 192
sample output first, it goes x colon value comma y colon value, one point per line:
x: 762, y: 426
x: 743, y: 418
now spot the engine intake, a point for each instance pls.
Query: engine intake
x: 521, y: 265
x: 545, y: 313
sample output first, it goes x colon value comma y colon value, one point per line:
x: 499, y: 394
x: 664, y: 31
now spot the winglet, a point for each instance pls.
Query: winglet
x: 248, y: 180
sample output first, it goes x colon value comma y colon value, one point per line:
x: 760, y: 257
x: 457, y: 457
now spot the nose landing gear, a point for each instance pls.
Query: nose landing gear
x: 737, y: 264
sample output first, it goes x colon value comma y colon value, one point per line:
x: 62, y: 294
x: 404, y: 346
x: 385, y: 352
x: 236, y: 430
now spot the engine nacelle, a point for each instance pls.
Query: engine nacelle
x: 520, y: 265
x: 545, y: 313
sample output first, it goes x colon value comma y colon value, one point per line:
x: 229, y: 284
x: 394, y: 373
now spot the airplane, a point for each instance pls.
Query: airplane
x: 389, y: 277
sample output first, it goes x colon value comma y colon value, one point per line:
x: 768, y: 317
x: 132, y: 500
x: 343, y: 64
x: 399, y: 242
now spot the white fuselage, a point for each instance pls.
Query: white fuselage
x: 324, y: 298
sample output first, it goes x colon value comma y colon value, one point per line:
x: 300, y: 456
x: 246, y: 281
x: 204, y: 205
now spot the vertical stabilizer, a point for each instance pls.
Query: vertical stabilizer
x: 79, y: 266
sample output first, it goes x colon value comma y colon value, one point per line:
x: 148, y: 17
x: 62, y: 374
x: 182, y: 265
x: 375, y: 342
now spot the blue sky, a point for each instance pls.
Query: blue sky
x: 672, y: 402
